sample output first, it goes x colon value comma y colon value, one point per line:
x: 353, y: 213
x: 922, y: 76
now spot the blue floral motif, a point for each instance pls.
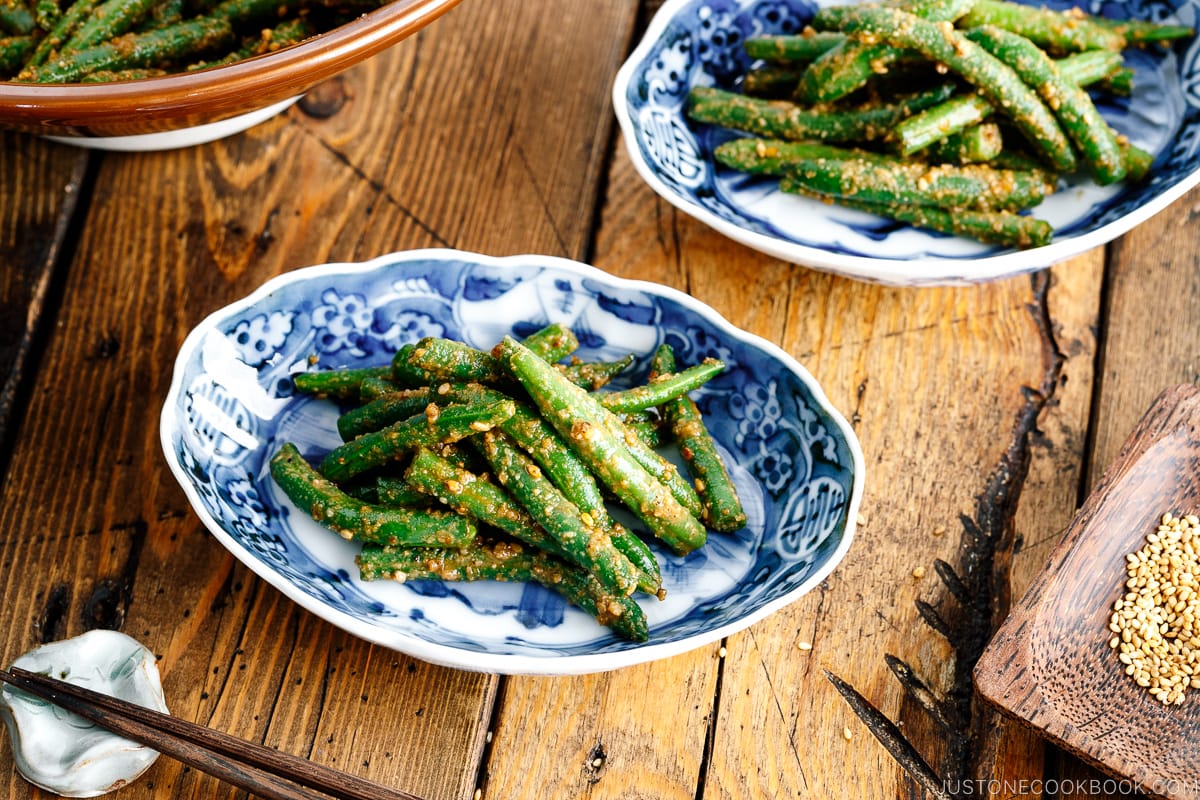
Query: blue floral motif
x: 791, y: 456
x: 719, y: 44
x: 757, y: 411
x: 341, y: 322
x: 260, y: 338
x: 775, y: 469
x: 409, y: 327
x: 776, y: 17
x: 671, y: 70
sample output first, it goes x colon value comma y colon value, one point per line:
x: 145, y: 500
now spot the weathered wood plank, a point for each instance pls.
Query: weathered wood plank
x: 1148, y: 342
x: 39, y: 189
x: 93, y: 519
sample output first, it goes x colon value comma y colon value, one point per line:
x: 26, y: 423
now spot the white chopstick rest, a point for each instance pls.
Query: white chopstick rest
x: 57, y: 750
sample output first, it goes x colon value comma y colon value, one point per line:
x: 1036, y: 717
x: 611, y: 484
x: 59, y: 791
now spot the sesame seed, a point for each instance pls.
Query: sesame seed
x: 721, y: 652
x: 804, y: 645
x: 846, y: 734
x: 918, y: 573
x: 1155, y: 621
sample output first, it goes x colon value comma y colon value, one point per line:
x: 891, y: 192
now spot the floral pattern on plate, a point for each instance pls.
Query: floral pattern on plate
x: 699, y: 42
x: 232, y: 404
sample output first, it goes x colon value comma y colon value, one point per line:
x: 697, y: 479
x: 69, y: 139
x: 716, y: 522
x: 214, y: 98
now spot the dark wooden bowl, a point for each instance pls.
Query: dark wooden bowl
x: 187, y: 99
x: 1050, y: 665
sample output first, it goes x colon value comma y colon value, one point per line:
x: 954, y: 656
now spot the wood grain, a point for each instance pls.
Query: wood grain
x: 1050, y: 664
x: 1148, y: 340
x: 95, y: 523
x: 39, y: 184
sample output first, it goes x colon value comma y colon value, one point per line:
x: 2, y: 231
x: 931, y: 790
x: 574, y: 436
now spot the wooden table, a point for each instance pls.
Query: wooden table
x: 985, y: 413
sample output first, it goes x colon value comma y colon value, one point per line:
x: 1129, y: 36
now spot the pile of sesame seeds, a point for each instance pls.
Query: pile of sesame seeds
x: 1156, y: 623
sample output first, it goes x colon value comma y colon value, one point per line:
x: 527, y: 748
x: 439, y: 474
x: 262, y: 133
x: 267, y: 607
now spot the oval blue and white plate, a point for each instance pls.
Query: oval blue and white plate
x: 699, y: 42
x: 796, y: 461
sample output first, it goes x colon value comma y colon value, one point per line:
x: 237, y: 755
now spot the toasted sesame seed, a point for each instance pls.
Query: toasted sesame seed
x: 1155, y: 621
x: 918, y: 573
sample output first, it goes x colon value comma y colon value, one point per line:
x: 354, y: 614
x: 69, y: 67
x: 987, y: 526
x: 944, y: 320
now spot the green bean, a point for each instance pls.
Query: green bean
x: 657, y: 466
x: 184, y: 39
x: 435, y: 359
x: 648, y: 429
x: 850, y: 65
x: 268, y: 41
x: 13, y: 52
x: 803, y: 47
x: 844, y: 69
x: 237, y: 11
x: 1137, y: 161
x: 17, y: 19
x: 885, y: 179
x: 110, y: 19
x: 587, y: 545
x: 386, y: 410
x: 553, y: 342
x: 789, y: 121
x: 594, y: 374
x: 770, y: 82
x: 583, y: 423
x: 995, y: 80
x: 978, y: 144
x: 946, y: 119
x: 435, y: 426
x: 46, y: 13
x: 572, y: 477
x: 431, y: 475
x: 662, y: 388
x: 722, y: 506
x: 504, y: 561
x: 353, y: 519
x: 63, y: 28
x: 340, y: 384
x: 1142, y: 31
x: 448, y: 360
x: 997, y: 227
x: 391, y: 491
x: 1056, y: 30
x: 372, y: 388
x: 1070, y: 103
x: 111, y: 76
x: 1119, y: 82
x: 166, y: 12
x: 961, y: 112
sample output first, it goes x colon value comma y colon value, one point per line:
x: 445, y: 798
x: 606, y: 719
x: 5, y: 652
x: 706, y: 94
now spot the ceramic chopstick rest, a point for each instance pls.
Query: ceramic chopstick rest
x: 61, y: 752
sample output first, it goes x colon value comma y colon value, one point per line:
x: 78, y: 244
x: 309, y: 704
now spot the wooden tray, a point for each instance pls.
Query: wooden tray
x: 1050, y: 665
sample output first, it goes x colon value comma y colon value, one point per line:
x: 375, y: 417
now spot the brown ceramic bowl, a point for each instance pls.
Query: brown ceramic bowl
x: 222, y: 99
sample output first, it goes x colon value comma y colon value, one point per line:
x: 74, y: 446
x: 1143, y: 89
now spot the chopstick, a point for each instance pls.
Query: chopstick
x: 264, y: 772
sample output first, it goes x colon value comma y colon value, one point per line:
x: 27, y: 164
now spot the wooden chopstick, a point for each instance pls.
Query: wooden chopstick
x: 265, y: 772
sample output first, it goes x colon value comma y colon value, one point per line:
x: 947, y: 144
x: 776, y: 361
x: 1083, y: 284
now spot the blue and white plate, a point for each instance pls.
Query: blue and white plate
x: 796, y: 462
x: 699, y: 42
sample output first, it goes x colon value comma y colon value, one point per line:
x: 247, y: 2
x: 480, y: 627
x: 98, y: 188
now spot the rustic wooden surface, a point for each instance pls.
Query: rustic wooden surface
x: 985, y: 414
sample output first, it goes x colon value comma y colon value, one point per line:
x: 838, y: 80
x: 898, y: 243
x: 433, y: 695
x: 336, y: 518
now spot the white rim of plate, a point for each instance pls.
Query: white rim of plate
x: 506, y: 664
x: 885, y: 270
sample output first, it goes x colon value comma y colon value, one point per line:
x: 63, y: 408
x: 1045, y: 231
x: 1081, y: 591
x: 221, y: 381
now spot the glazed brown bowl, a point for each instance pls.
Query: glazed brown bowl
x: 202, y: 98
